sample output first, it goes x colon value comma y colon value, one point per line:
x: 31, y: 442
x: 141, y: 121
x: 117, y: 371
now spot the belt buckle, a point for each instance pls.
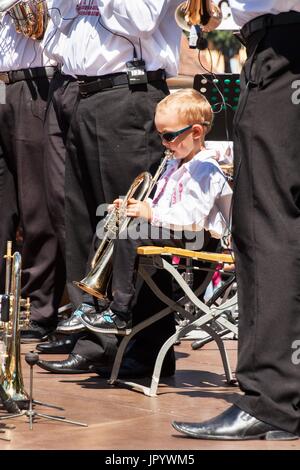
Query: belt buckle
x: 83, y: 93
x: 4, y: 77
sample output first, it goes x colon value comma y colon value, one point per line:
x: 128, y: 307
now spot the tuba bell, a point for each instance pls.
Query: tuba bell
x: 97, y: 280
x: 11, y: 377
x: 30, y: 17
x: 198, y: 12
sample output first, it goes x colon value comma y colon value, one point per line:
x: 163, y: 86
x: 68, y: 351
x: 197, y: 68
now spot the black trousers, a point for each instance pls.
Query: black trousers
x: 22, y: 194
x: 125, y: 258
x: 111, y: 140
x: 63, y: 94
x: 266, y: 226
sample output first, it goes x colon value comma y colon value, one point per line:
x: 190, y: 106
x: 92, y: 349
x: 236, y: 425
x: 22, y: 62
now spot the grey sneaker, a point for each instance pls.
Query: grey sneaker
x: 73, y: 324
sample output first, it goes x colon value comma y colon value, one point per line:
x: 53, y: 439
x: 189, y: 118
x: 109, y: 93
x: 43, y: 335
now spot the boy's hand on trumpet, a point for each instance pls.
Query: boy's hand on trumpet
x: 135, y: 208
x: 116, y: 204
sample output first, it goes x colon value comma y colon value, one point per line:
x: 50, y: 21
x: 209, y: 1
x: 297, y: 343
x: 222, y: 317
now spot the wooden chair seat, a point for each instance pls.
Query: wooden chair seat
x: 200, y: 255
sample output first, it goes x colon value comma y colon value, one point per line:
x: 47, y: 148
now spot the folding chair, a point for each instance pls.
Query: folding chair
x: 227, y: 290
x: 202, y: 316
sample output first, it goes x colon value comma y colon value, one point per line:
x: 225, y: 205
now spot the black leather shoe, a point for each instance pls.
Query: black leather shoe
x: 59, y: 346
x: 73, y: 324
x: 75, y: 364
x: 36, y: 332
x: 133, y: 369
x: 106, y: 322
x: 233, y: 424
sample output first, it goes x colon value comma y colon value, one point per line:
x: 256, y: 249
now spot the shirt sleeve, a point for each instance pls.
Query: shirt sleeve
x: 133, y: 17
x: 5, y: 5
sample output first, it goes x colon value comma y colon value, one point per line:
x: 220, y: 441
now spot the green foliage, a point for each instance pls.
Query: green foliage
x: 225, y: 42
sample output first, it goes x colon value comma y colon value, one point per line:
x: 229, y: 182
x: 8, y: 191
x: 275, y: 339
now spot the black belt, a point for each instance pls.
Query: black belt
x: 268, y: 21
x: 26, y: 74
x: 89, y: 85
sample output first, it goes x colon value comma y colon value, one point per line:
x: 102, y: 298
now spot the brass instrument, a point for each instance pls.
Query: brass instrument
x: 228, y: 172
x: 198, y: 12
x: 30, y: 17
x: 11, y: 372
x: 97, y: 280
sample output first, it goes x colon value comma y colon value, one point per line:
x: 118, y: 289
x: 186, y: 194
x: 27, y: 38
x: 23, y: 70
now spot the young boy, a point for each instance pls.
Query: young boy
x: 191, y: 196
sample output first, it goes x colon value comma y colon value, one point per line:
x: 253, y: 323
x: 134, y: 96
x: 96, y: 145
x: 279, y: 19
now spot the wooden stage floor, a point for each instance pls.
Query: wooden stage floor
x: 120, y: 419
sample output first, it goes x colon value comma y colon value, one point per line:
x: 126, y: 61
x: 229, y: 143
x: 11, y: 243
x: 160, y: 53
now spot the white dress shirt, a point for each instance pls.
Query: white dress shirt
x: 17, y: 51
x: 194, y: 196
x: 53, y: 42
x: 90, y: 49
x: 244, y: 11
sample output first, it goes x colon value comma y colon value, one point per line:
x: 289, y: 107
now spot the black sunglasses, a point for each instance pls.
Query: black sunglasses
x: 171, y: 136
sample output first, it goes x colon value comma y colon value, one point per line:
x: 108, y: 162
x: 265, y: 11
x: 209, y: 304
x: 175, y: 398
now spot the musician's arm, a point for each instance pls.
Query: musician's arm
x: 141, y: 17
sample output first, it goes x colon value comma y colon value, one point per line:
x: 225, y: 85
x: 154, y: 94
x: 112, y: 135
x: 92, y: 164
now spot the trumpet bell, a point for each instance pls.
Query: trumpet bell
x: 209, y: 17
x: 91, y: 288
x: 97, y: 280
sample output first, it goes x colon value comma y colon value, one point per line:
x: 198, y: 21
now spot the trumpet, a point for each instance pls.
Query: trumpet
x: 97, y: 280
x: 11, y: 377
x: 198, y: 12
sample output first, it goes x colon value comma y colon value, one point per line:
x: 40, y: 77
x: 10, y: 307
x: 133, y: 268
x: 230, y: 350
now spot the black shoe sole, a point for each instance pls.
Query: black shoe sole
x: 64, y: 371
x: 69, y: 330
x: 25, y: 340
x: 54, y: 350
x: 113, y: 330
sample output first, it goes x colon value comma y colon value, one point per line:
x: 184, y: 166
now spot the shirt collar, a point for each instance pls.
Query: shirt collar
x: 200, y: 157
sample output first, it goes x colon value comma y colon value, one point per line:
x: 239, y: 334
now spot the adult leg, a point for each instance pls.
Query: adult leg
x: 266, y: 224
x: 126, y: 145
x: 9, y: 213
x: 23, y: 134
x: 111, y: 141
x: 62, y: 98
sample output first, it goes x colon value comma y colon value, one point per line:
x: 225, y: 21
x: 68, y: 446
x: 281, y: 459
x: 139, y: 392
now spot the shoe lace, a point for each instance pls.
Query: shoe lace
x: 108, y: 318
x: 81, y: 310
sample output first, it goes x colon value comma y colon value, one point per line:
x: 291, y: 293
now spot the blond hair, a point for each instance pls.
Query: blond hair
x: 191, y: 106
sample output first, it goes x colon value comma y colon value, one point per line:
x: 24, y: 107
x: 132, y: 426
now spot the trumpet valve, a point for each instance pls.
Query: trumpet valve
x: 8, y: 254
x: 27, y: 312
